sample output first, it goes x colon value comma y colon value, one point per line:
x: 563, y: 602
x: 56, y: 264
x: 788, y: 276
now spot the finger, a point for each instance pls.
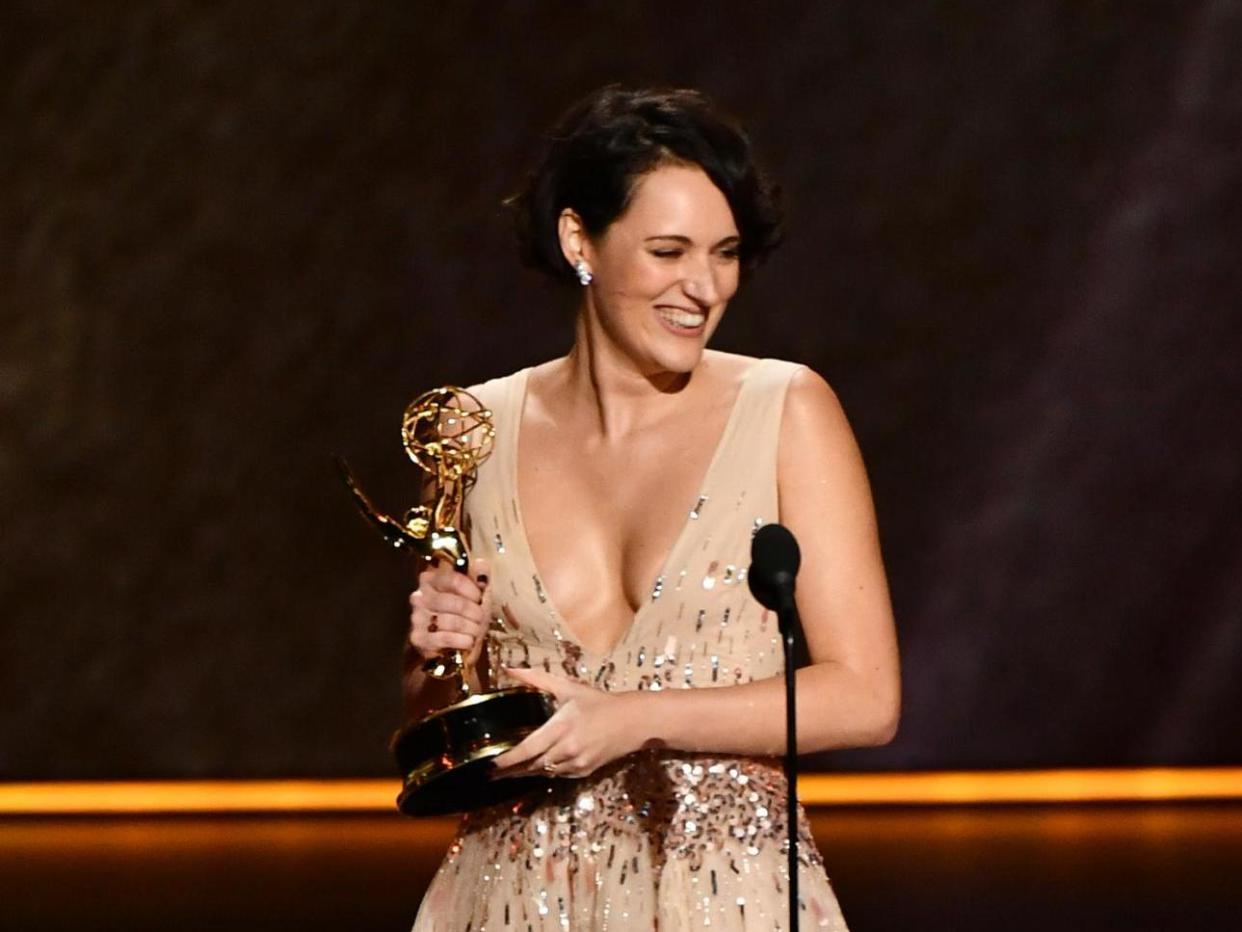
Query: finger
x: 437, y: 622
x: 572, y: 768
x: 560, y: 687
x: 447, y: 640
x: 435, y: 642
x: 463, y: 584
x: 539, y: 767
x: 448, y: 603
x: 432, y: 633
x: 423, y: 621
x: 482, y: 569
x: 538, y: 742
x: 420, y: 619
x: 448, y: 580
x: 442, y: 578
x: 425, y: 627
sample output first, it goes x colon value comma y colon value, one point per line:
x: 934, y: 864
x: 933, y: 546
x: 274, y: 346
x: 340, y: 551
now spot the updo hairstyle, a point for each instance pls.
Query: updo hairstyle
x: 605, y: 143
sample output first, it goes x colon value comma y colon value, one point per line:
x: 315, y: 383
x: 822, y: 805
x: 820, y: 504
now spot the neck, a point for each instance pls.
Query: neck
x: 612, y: 389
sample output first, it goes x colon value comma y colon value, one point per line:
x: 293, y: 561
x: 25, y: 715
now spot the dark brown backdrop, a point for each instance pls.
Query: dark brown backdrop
x: 237, y: 237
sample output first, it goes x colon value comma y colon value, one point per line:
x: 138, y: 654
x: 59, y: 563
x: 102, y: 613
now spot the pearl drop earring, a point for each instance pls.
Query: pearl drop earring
x: 584, y: 274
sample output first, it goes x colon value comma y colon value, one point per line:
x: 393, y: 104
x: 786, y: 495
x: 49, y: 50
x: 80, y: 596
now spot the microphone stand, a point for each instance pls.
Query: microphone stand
x: 775, y: 559
x: 787, y: 620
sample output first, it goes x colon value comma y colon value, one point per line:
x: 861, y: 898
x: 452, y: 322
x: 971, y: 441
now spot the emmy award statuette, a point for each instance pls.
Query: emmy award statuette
x: 446, y: 757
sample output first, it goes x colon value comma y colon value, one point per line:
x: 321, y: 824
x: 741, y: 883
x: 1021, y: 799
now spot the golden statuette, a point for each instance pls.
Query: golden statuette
x: 446, y: 756
x: 448, y: 434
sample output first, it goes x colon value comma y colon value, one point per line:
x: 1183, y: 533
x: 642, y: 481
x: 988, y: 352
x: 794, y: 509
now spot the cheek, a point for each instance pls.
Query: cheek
x: 727, y: 279
x: 641, y: 277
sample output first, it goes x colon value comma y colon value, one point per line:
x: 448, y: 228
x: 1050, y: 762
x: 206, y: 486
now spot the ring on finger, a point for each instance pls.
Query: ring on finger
x: 550, y: 766
x: 432, y: 627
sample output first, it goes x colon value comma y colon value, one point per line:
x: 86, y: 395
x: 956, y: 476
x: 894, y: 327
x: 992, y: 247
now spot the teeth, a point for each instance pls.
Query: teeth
x: 682, y: 318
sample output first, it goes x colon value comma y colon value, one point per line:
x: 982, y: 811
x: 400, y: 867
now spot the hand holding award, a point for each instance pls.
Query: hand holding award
x: 446, y: 757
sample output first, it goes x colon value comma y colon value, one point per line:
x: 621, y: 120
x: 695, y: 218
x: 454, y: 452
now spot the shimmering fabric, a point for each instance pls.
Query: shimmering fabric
x: 658, y: 840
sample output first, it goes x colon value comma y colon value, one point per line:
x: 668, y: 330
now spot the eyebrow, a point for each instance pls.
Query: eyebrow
x: 685, y: 240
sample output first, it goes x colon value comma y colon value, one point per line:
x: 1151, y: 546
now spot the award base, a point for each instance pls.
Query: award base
x: 446, y: 758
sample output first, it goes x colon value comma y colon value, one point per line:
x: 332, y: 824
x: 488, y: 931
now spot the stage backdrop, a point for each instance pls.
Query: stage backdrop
x: 239, y: 237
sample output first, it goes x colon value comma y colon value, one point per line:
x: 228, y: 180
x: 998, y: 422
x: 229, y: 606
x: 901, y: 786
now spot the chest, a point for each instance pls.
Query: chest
x: 602, y: 519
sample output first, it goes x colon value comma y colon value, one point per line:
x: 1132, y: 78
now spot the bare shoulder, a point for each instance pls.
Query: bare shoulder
x: 811, y: 403
x: 809, y: 395
x: 817, y: 445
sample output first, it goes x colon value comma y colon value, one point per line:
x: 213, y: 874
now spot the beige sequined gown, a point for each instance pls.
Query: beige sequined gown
x: 663, y: 841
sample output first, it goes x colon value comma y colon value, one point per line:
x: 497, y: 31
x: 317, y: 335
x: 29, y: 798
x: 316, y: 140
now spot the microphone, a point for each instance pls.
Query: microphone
x: 775, y: 559
x: 774, y: 562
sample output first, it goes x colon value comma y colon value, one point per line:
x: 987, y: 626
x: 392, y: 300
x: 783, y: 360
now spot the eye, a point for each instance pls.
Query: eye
x: 666, y: 253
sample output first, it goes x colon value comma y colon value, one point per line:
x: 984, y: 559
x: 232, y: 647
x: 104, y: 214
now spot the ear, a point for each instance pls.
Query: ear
x: 575, y: 244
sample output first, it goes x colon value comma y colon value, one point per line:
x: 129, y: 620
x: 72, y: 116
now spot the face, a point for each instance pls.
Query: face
x: 664, y: 270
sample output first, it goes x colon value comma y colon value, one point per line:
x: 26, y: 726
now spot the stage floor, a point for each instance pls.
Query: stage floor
x: 1018, y: 868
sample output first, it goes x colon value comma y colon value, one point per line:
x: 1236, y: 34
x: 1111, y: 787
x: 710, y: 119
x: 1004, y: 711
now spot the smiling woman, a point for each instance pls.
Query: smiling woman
x: 611, y: 531
x: 674, y: 252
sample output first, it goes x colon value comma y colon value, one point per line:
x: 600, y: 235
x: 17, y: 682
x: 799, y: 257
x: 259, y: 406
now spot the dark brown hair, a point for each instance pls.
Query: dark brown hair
x: 606, y: 142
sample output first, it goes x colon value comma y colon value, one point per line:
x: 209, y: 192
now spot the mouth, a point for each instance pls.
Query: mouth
x: 680, y: 320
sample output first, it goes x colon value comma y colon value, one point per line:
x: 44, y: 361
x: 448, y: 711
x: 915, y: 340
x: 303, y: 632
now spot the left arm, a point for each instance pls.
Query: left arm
x: 849, y: 696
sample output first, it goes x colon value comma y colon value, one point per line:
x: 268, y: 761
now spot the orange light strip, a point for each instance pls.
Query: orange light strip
x: 197, y: 796
x: 815, y: 789
x: 1160, y: 784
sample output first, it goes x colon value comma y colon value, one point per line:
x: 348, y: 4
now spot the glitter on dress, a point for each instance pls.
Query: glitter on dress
x: 658, y: 839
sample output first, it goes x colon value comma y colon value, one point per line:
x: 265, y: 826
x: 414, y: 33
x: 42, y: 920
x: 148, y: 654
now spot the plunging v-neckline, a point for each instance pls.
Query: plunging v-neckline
x: 545, y: 597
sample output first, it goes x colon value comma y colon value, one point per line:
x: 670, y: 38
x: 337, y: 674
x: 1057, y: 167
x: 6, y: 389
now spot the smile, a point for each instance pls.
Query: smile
x: 682, y: 321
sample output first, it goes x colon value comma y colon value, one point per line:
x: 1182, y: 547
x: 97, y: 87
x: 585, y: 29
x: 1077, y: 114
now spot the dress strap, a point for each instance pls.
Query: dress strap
x: 503, y: 397
x: 751, y: 462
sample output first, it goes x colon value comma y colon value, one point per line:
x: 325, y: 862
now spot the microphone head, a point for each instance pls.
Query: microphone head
x: 775, y: 559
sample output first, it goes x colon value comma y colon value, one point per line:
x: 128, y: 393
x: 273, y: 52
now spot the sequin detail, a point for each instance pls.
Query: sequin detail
x: 691, y: 820
x: 698, y: 507
x: 657, y: 839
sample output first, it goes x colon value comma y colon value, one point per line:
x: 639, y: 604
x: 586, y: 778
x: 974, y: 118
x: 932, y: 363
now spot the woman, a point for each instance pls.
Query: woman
x: 614, y: 519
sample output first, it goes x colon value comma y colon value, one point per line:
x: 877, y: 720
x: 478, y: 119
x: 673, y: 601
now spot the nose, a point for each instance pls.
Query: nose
x: 701, y: 284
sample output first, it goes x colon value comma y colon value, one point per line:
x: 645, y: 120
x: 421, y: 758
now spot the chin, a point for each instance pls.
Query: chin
x: 682, y: 360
